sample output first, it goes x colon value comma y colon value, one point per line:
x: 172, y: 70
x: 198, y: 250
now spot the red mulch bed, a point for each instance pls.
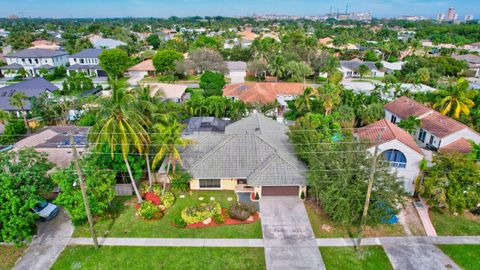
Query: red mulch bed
x: 228, y: 221
x: 152, y: 197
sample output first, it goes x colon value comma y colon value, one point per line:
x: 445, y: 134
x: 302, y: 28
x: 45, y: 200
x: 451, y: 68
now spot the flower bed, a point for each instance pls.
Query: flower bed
x: 228, y: 221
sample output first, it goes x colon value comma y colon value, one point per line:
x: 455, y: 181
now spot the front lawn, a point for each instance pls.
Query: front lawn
x: 344, y: 258
x: 107, y: 257
x: 324, y: 227
x: 123, y: 222
x: 447, y: 224
x: 9, y: 255
x: 466, y: 256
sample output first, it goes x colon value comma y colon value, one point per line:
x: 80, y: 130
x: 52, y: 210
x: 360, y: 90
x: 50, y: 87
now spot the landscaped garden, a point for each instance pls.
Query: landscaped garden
x: 466, y: 256
x: 455, y: 225
x: 9, y: 255
x: 324, y: 227
x: 122, y: 219
x: 345, y: 258
x: 83, y: 257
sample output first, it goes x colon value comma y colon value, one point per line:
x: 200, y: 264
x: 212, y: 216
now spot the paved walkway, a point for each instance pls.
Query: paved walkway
x: 422, y: 209
x: 287, y: 235
x: 52, y: 237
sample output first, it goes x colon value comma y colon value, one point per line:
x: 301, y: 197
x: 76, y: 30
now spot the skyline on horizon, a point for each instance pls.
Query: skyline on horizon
x: 185, y: 8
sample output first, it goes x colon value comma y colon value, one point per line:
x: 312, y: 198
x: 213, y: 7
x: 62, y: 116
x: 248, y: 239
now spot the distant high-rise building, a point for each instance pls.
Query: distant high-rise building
x: 440, y: 17
x: 468, y: 17
x: 451, y: 14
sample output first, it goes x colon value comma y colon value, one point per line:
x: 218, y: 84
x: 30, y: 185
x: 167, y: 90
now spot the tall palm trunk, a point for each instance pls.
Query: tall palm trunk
x: 24, y: 114
x: 134, y: 184
x: 150, y: 181
x: 165, y: 180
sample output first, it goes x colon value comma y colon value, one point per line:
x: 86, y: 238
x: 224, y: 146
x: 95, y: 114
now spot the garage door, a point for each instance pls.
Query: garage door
x: 280, y: 191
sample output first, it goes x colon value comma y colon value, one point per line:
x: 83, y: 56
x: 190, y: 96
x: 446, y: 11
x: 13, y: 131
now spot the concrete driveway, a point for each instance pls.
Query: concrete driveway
x: 421, y: 257
x: 52, y: 237
x: 288, y: 237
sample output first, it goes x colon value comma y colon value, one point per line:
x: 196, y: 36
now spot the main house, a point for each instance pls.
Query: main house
x: 87, y: 62
x: 473, y: 63
x: 33, y: 87
x: 252, y: 155
x: 436, y: 131
x: 265, y: 93
x: 397, y: 147
x: 350, y: 68
x: 32, y: 61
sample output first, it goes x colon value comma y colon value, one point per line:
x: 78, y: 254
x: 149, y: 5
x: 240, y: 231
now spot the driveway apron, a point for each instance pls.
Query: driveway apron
x: 288, y: 237
x: 52, y: 237
x: 418, y: 256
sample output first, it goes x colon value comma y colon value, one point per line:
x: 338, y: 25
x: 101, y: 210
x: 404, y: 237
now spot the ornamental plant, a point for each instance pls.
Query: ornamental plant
x: 194, y: 214
x: 149, y: 211
x: 242, y: 211
x: 168, y: 199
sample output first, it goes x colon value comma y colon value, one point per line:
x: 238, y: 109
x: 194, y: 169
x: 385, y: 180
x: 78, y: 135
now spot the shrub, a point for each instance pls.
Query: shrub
x: 302, y: 195
x: 257, y: 197
x: 87, y: 119
x: 13, y: 129
x: 148, y: 210
x: 157, y: 189
x: 219, y: 219
x: 201, y: 212
x: 179, y: 222
x: 242, y: 211
x: 168, y: 199
x: 180, y: 181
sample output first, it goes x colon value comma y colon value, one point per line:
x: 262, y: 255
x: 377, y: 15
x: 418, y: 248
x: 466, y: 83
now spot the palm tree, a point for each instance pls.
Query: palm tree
x: 410, y: 124
x: 475, y: 154
x: 363, y: 70
x: 330, y: 97
x: 168, y: 137
x: 456, y: 100
x: 277, y: 67
x: 303, y: 103
x: 120, y: 123
x: 18, y: 100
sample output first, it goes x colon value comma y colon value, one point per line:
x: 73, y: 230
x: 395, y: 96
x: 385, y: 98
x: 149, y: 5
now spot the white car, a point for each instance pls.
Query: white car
x: 46, y: 210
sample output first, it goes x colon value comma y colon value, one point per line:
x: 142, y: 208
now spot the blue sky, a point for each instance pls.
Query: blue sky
x: 166, y: 8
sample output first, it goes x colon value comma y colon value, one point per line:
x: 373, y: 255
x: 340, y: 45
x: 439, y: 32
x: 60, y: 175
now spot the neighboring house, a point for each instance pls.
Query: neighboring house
x: 106, y: 43
x: 253, y: 155
x: 45, y: 44
x: 406, y: 35
x: 142, y: 69
x: 55, y: 142
x: 436, y: 131
x: 31, y: 87
x: 265, y: 93
x: 204, y: 124
x: 171, y: 92
x: 237, y: 71
x: 87, y: 62
x: 392, y: 67
x: 350, y: 69
x: 473, y: 63
x: 397, y: 147
x: 4, y: 33
x: 33, y: 60
x: 474, y: 47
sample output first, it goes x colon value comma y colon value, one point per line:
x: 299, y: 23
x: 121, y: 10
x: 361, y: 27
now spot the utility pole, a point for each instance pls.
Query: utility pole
x: 83, y: 188
x: 370, y: 186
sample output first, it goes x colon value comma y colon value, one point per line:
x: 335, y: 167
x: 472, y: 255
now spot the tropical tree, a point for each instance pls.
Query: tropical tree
x: 4, y: 116
x: 114, y: 62
x: 456, y: 100
x: 164, y: 61
x: 168, y: 137
x: 277, y: 67
x: 363, y: 70
x: 410, y: 124
x: 303, y: 102
x: 18, y: 100
x: 330, y: 97
x: 120, y: 125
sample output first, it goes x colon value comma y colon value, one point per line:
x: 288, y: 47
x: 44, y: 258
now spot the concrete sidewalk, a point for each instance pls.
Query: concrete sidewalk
x: 415, y: 240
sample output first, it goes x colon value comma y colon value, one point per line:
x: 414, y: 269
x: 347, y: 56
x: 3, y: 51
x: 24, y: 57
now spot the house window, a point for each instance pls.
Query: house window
x: 421, y: 135
x: 396, y: 158
x: 393, y: 119
x: 209, y: 183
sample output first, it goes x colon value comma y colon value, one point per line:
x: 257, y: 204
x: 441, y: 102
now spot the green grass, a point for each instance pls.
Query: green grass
x: 165, y: 258
x: 124, y: 223
x: 318, y: 218
x: 9, y: 255
x: 466, y: 256
x: 345, y: 258
x: 447, y: 224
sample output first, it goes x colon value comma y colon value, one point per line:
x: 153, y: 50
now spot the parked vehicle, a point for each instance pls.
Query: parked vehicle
x: 46, y: 210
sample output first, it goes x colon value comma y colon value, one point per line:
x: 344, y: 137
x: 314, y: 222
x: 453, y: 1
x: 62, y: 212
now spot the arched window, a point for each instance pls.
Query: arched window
x: 396, y: 158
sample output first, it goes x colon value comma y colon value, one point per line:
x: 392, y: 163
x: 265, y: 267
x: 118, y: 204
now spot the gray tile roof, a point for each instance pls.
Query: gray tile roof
x: 353, y: 65
x: 204, y: 124
x: 470, y: 58
x: 255, y: 148
x: 87, y: 53
x: 107, y: 43
x: 37, y: 53
x: 32, y: 88
x: 236, y: 65
x: 12, y: 66
x: 78, y: 66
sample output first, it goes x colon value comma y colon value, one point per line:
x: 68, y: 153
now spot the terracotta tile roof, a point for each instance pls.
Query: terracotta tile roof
x: 440, y: 125
x: 248, y: 35
x: 404, y: 107
x: 391, y: 132
x: 146, y: 65
x: 461, y: 145
x: 263, y: 93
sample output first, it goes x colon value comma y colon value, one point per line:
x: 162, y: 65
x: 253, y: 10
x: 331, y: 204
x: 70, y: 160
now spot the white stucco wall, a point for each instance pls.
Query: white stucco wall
x: 465, y: 133
x: 29, y: 63
x: 237, y: 76
x: 410, y: 172
x: 137, y: 74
